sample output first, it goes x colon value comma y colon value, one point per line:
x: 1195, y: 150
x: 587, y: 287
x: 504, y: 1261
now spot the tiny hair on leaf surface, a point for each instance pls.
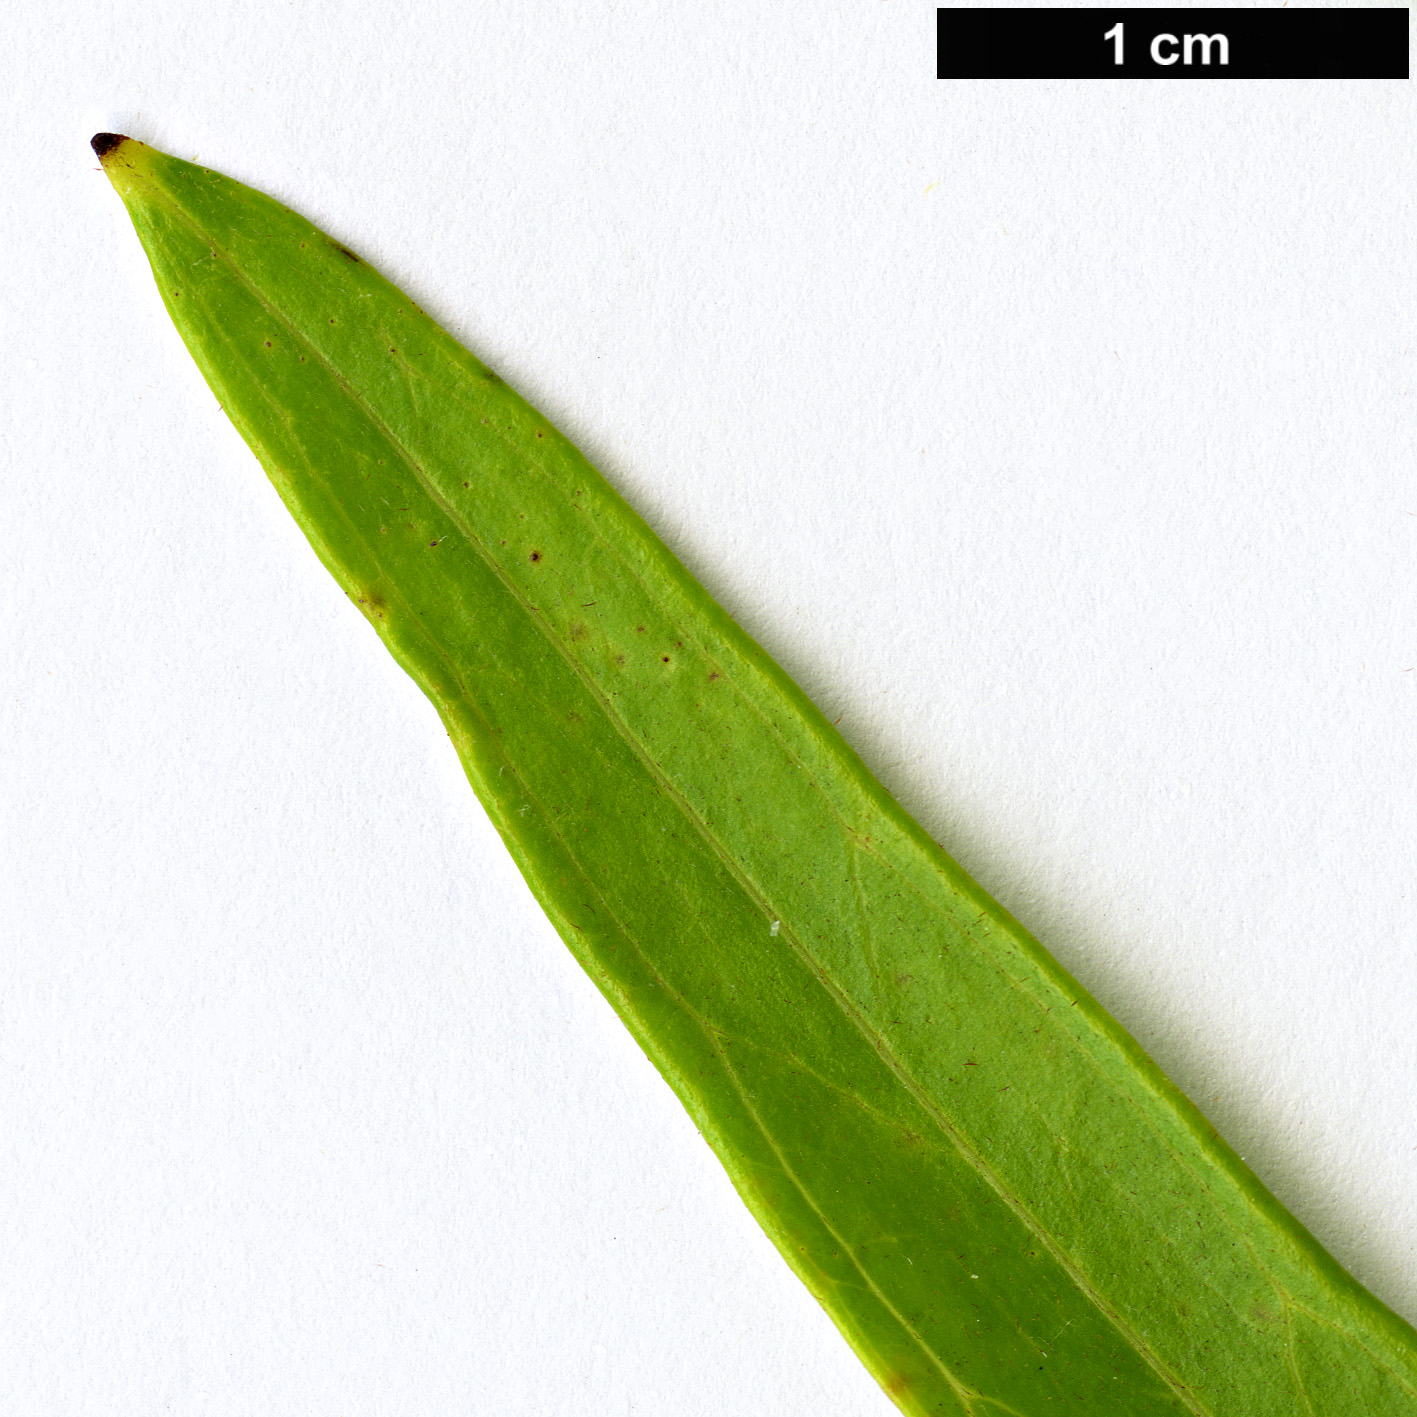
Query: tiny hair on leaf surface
x: 999, y: 1199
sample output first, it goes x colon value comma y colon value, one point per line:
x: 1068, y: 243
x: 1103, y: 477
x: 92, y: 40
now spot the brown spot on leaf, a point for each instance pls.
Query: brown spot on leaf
x: 372, y: 603
x: 535, y: 556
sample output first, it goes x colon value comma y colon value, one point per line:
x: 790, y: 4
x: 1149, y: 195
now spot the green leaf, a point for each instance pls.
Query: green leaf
x: 1000, y: 1200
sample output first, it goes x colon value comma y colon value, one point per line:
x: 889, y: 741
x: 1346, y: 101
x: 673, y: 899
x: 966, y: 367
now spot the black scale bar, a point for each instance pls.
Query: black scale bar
x: 1172, y: 44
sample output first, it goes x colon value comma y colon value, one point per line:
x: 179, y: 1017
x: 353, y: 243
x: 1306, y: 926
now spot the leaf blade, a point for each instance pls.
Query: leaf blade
x: 924, y: 1111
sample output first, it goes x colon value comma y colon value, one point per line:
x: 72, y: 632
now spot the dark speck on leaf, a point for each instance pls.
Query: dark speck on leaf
x: 345, y: 251
x: 536, y: 555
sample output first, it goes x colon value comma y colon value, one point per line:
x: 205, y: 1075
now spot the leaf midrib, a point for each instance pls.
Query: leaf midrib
x: 875, y: 1038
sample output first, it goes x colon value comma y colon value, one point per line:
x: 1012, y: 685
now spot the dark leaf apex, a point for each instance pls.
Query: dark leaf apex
x: 104, y: 143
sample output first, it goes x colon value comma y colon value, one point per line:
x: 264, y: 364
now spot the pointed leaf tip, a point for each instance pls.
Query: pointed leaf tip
x: 104, y: 143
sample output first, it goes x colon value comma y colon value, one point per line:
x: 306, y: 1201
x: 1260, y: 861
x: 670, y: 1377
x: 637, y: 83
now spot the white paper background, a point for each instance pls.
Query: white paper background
x: 1058, y: 437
